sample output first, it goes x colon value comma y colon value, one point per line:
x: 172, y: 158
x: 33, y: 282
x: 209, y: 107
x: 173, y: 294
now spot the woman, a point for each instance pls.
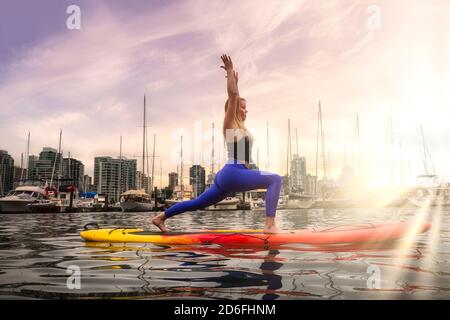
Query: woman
x: 236, y: 175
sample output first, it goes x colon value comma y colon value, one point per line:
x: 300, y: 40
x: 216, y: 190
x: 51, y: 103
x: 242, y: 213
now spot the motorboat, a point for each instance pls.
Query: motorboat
x: 17, y: 201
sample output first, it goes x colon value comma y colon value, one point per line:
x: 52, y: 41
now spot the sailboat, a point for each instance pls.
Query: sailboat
x: 54, y: 202
x: 429, y: 191
x: 138, y: 200
x: 180, y: 192
x: 291, y: 199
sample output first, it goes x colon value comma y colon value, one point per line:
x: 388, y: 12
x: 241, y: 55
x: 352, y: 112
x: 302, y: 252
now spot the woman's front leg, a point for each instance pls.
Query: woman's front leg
x: 211, y: 196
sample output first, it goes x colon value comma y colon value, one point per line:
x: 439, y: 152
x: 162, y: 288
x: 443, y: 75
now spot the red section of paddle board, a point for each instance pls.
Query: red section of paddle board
x: 354, y: 234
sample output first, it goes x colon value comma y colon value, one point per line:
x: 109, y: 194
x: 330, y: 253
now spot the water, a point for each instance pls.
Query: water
x: 36, y: 251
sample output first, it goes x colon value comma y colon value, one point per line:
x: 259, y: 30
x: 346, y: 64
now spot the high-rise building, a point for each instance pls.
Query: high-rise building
x: 6, y: 172
x: 197, y: 179
x: 87, y: 183
x: 285, y: 184
x: 42, y: 168
x: 173, y: 180
x: 210, y: 179
x: 74, y: 170
x: 114, y: 176
x: 310, y: 184
x: 19, y: 173
x: 97, y: 162
x: 143, y: 182
x: 31, y: 166
x: 297, y: 175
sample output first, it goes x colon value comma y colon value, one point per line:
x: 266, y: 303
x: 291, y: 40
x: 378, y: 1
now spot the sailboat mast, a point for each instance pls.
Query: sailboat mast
x: 287, y: 149
x: 288, y: 158
x: 424, y: 159
x: 358, y: 148
x: 212, y: 151
x: 27, y: 157
x: 257, y: 157
x: 181, y: 167
x: 402, y: 182
x: 323, y: 144
x: 317, y: 150
x: 56, y: 157
x: 69, y: 167
x: 160, y: 174
x: 267, y: 145
x: 143, y: 145
x: 120, y: 169
x: 426, y: 154
x: 21, y: 165
x: 28, y: 154
x: 391, y: 151
x: 329, y: 161
x: 60, y: 159
x: 146, y: 159
x: 153, y: 162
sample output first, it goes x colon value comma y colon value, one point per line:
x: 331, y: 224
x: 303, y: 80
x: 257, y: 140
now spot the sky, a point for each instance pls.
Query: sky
x: 380, y: 60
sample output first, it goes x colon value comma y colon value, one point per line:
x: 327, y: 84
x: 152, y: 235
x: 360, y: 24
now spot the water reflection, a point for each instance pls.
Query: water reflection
x: 35, y: 251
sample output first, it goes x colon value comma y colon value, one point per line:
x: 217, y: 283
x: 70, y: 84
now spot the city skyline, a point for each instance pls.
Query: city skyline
x: 53, y: 77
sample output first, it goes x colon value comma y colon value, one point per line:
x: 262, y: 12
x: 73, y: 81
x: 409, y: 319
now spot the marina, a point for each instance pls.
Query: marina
x: 242, y: 152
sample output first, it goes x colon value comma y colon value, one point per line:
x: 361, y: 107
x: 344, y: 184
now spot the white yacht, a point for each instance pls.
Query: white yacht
x: 17, y: 201
x: 136, y: 201
x: 438, y: 196
x: 429, y: 192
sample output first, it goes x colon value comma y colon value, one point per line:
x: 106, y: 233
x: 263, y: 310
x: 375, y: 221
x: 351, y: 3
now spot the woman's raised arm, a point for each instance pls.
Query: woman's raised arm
x: 232, y: 87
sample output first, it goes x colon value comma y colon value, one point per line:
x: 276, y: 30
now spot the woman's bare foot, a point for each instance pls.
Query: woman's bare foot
x: 272, y: 229
x: 270, y: 226
x: 159, y: 222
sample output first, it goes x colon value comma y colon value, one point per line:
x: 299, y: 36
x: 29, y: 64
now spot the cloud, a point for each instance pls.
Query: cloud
x: 289, y: 54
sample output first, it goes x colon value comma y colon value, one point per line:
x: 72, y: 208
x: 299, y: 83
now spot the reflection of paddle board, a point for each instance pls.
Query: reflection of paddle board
x: 351, y: 234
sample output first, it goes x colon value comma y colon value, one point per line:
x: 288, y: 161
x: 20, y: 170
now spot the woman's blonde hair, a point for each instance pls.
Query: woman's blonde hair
x: 237, y: 115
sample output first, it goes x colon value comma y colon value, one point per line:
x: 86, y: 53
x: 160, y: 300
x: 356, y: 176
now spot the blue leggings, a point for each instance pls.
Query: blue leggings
x: 233, y: 178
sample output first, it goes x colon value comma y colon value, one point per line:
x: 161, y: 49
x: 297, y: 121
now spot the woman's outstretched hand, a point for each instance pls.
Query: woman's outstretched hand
x: 227, y: 63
